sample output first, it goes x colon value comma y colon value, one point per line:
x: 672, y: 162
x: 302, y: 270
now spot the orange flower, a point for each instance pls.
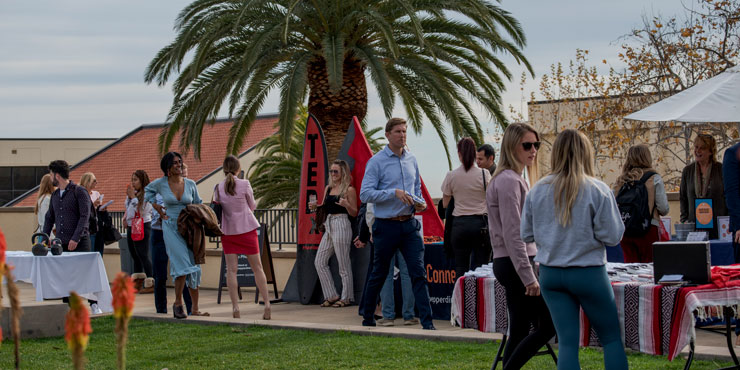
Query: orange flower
x: 123, y: 295
x: 77, y: 325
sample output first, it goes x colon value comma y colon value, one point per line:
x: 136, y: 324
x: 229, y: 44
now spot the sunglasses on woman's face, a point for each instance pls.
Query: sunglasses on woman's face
x: 333, y: 172
x: 528, y: 145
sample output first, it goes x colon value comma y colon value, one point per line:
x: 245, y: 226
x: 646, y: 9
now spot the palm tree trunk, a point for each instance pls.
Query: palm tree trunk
x: 335, y: 111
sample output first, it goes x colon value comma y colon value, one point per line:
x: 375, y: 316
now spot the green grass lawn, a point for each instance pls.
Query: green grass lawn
x: 155, y: 345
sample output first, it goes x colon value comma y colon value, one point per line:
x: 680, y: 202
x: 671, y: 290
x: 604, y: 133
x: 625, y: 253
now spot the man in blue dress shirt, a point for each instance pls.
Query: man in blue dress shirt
x: 391, y: 176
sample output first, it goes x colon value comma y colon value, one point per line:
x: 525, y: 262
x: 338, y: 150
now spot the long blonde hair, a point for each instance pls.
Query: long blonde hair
x: 231, y: 168
x: 638, y: 162
x: 86, y: 180
x: 346, y: 179
x: 46, y: 187
x: 572, y: 163
x: 509, y: 144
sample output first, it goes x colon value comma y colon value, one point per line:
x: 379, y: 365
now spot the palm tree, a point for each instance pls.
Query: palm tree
x: 276, y: 175
x: 440, y: 57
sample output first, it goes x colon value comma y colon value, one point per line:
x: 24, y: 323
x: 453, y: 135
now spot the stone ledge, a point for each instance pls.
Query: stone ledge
x: 38, y: 321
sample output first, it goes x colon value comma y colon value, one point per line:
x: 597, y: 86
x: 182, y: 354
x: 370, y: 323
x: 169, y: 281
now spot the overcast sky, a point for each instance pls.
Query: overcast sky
x: 75, y: 68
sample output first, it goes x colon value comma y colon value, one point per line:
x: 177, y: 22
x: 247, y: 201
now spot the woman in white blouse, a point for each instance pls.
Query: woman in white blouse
x: 135, y: 204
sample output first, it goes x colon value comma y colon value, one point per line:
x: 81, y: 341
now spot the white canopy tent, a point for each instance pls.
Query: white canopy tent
x: 714, y: 100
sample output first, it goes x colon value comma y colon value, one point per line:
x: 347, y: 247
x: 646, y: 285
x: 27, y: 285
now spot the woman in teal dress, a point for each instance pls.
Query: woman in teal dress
x: 177, y: 192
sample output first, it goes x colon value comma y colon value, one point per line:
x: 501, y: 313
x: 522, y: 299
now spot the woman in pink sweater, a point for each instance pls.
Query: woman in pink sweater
x: 513, y: 260
x: 240, y: 232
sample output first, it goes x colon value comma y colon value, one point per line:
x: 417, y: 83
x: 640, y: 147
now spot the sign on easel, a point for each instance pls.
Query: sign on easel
x: 244, y: 272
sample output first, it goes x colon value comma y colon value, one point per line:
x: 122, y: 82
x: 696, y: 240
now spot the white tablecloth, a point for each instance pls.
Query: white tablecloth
x: 56, y: 276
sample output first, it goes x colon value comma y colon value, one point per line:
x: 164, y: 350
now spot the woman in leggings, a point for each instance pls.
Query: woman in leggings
x: 513, y: 260
x: 139, y: 250
x: 571, y: 216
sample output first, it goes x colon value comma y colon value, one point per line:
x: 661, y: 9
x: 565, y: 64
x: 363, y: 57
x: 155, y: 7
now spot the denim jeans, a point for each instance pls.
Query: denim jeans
x: 387, y: 296
x: 159, y: 267
x: 391, y: 236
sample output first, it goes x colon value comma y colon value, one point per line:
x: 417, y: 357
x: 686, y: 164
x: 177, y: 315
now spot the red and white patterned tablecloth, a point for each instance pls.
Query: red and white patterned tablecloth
x: 655, y: 319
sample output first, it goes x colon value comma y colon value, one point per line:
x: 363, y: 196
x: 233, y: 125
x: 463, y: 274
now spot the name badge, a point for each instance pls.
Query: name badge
x: 704, y: 214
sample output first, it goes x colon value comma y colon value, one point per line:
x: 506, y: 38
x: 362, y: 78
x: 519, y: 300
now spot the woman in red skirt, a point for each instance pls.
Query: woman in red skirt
x: 240, y: 231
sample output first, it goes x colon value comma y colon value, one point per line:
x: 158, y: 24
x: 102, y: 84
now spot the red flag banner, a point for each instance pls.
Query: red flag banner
x: 313, y: 181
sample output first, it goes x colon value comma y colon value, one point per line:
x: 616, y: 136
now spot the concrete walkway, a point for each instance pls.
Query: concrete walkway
x: 315, y: 318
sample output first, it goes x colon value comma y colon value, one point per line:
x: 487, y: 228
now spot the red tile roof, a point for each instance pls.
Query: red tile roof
x: 114, y: 164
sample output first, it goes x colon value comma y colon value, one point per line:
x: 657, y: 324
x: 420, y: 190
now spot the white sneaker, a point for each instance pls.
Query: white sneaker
x: 95, y: 309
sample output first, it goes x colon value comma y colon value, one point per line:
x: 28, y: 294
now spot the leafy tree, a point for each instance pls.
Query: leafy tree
x: 440, y: 57
x: 662, y: 57
x: 276, y: 175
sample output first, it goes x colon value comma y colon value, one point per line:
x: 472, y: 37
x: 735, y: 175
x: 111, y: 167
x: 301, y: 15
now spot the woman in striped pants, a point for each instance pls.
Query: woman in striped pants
x: 340, y: 201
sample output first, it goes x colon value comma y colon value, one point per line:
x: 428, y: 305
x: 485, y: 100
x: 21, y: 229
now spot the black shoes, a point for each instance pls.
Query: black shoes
x: 178, y: 312
x: 430, y: 327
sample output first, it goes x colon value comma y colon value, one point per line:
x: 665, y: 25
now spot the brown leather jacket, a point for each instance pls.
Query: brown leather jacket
x: 196, y: 222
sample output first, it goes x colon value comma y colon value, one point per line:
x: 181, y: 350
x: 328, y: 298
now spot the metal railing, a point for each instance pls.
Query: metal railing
x: 282, y: 224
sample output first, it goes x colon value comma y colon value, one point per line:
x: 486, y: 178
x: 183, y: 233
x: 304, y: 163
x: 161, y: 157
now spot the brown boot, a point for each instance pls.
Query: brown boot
x: 147, y: 287
x: 138, y: 281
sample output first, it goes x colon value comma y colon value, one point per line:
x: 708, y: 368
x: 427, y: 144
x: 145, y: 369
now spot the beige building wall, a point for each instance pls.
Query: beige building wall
x: 39, y: 152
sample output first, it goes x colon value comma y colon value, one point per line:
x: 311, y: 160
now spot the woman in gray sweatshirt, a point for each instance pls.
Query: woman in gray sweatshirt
x: 571, y: 216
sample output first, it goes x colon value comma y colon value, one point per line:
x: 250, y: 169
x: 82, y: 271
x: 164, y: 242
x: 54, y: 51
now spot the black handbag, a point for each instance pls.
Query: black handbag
x: 109, y: 233
x: 215, y: 205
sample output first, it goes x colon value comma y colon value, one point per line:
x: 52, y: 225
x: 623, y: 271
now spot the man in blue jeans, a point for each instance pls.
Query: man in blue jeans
x: 388, y: 294
x: 391, y: 176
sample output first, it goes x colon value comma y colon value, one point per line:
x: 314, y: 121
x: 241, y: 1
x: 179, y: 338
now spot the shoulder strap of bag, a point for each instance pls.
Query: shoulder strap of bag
x: 215, y: 193
x: 483, y: 173
x: 647, y: 176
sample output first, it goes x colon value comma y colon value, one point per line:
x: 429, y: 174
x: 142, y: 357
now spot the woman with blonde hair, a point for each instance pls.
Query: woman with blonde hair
x: 638, y: 169
x: 89, y: 182
x: 702, y: 179
x: 513, y: 259
x: 340, y: 201
x: 572, y: 216
x: 240, y: 232
x: 43, y: 199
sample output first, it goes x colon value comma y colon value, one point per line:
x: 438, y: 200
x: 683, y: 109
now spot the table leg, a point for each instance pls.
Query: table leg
x: 728, y: 333
x: 499, y: 353
x: 552, y: 353
x: 691, y: 356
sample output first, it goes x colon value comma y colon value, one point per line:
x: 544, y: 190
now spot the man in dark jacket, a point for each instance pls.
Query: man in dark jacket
x: 69, y: 211
x: 486, y: 158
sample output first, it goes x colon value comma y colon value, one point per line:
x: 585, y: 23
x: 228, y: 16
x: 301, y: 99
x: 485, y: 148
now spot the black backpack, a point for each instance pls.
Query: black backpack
x: 632, y: 201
